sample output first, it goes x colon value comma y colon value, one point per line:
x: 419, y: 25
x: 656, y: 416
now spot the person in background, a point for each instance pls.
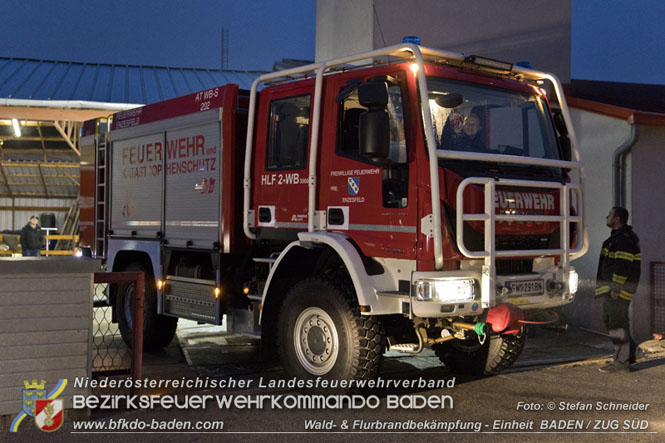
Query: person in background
x: 616, y: 281
x: 32, y: 238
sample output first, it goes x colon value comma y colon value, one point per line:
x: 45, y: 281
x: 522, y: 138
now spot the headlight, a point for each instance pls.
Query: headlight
x: 446, y: 291
x: 573, y: 281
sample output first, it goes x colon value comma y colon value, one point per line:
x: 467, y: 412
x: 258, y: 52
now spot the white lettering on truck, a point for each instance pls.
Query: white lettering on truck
x: 523, y: 200
x: 292, y: 178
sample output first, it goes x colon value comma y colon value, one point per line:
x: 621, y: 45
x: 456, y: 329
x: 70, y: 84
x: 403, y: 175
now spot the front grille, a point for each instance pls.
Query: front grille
x: 522, y: 242
x: 475, y: 241
x: 513, y: 267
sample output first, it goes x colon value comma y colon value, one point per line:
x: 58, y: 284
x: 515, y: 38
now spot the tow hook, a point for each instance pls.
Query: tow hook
x: 501, y: 290
x: 554, y: 288
x: 479, y: 328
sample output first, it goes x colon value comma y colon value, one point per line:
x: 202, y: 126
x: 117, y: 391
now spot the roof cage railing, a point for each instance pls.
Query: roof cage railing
x: 503, y: 158
x: 417, y: 55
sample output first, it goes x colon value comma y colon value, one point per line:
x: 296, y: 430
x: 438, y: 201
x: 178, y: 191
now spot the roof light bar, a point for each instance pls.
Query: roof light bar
x: 489, y: 63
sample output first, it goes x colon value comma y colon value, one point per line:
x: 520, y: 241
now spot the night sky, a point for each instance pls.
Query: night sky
x: 612, y: 40
x: 159, y: 32
x: 618, y: 40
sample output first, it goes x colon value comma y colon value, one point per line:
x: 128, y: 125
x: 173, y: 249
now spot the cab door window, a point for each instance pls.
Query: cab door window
x: 288, y: 133
x: 395, y: 170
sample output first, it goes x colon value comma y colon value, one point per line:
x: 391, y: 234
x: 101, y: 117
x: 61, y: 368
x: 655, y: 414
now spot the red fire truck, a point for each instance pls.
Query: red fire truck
x: 415, y: 198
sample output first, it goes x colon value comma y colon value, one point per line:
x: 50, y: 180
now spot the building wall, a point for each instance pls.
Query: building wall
x: 343, y: 27
x: 598, y: 137
x: 537, y: 31
x: 647, y: 216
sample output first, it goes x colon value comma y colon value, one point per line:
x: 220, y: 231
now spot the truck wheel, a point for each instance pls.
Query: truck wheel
x: 322, y: 334
x: 158, y: 330
x: 499, y: 352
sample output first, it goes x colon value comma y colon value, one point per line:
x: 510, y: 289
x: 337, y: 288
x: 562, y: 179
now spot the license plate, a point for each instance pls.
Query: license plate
x: 525, y: 287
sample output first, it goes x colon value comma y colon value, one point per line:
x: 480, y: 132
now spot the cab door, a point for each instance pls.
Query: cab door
x: 368, y: 198
x: 282, y: 159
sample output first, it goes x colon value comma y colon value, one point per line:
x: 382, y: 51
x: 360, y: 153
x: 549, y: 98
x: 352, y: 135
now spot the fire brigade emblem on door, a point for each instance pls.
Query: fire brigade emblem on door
x: 353, y: 185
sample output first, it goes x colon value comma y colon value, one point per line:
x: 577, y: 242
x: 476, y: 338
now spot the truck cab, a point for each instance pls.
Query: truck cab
x: 441, y: 183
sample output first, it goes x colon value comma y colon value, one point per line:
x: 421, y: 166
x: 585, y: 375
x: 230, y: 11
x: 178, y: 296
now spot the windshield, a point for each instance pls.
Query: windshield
x: 476, y: 118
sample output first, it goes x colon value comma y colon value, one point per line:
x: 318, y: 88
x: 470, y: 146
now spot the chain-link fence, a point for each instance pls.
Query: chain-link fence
x: 111, y: 356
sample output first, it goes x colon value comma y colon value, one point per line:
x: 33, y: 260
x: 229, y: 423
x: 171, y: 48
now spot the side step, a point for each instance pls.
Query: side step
x: 191, y: 298
x: 394, y: 294
x: 409, y: 348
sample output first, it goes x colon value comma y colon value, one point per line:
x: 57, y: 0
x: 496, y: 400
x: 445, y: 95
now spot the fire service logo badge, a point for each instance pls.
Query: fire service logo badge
x: 49, y: 414
x: 353, y: 185
x: 47, y: 410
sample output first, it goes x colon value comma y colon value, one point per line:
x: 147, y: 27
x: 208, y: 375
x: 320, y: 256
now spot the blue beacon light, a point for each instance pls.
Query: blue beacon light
x: 411, y: 39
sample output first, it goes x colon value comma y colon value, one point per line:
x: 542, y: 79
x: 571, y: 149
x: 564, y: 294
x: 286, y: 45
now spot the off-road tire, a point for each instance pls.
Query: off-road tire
x: 315, y: 310
x: 158, y: 330
x: 499, y: 352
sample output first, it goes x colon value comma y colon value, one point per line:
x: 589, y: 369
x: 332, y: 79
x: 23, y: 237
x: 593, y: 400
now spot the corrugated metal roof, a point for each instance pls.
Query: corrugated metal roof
x: 32, y: 79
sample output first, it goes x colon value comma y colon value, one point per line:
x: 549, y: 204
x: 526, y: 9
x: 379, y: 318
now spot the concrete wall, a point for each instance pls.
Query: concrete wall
x: 45, y: 326
x: 598, y: 137
x: 512, y: 30
x: 647, y: 215
x: 343, y: 27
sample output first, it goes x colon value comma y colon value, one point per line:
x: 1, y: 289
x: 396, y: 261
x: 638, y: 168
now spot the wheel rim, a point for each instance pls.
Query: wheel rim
x: 315, y: 340
x: 128, y: 306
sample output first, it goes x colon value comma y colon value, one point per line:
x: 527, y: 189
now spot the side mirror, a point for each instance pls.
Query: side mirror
x: 560, y: 123
x: 566, y: 150
x: 450, y: 100
x: 374, y: 134
x: 373, y: 95
x: 374, y: 124
x: 564, y: 141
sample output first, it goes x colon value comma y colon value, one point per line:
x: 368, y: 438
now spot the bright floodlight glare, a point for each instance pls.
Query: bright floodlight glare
x: 573, y: 282
x: 17, y: 128
x: 445, y: 291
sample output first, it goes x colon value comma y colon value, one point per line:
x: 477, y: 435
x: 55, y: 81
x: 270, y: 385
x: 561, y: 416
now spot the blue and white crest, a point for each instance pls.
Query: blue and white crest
x: 353, y: 185
x: 30, y: 397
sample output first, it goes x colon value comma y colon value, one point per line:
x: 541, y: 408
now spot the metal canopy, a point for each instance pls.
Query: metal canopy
x: 50, y: 99
x: 32, y: 79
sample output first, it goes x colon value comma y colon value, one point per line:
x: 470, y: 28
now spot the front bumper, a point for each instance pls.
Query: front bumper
x: 470, y: 292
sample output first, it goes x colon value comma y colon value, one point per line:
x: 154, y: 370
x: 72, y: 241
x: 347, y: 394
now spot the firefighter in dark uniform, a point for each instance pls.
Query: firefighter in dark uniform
x: 616, y: 282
